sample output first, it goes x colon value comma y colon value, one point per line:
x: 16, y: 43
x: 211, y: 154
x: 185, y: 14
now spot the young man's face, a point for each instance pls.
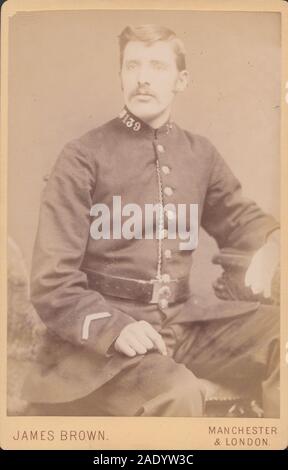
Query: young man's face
x: 150, y: 78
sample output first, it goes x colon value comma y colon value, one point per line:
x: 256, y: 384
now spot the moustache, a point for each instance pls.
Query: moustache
x: 144, y: 92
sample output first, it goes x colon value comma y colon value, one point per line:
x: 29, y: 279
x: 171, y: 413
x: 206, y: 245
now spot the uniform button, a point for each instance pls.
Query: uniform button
x: 168, y: 254
x: 165, y: 169
x: 170, y: 214
x: 168, y: 191
x: 166, y: 278
x: 163, y: 303
x: 163, y: 233
x: 160, y: 148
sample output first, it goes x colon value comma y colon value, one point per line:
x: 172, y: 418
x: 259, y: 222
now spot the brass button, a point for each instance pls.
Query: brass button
x: 165, y: 169
x: 160, y: 148
x: 168, y: 254
x: 170, y: 214
x: 163, y: 303
x: 168, y: 191
x: 166, y: 278
x: 163, y: 234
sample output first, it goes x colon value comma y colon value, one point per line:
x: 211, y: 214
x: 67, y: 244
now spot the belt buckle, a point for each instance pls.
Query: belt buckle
x: 161, y: 292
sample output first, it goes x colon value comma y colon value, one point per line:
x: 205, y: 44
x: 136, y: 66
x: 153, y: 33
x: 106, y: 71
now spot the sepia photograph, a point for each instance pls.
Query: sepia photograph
x: 143, y: 162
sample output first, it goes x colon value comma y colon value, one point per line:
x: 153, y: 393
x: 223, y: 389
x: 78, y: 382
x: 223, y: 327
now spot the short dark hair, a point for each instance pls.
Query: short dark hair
x: 151, y: 33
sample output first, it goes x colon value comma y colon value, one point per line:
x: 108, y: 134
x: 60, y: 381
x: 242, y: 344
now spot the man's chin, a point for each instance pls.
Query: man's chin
x: 144, y: 111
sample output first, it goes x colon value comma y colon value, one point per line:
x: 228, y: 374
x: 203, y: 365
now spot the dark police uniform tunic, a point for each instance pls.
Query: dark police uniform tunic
x: 127, y: 158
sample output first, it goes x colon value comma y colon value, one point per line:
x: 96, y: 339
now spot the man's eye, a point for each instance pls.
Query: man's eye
x: 131, y: 65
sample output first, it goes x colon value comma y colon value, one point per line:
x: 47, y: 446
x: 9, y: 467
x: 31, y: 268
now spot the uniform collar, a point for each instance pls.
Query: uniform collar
x: 137, y: 126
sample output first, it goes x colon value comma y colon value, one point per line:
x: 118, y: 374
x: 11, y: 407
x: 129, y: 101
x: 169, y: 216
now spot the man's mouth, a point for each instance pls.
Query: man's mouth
x: 143, y: 96
x: 143, y: 93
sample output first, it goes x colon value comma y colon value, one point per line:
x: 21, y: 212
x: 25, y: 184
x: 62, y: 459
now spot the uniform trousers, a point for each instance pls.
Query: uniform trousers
x: 241, y: 351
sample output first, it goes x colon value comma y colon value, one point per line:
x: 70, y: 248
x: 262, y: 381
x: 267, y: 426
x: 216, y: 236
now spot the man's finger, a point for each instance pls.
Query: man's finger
x: 157, y: 340
x: 135, y: 344
x: 140, y: 330
x: 123, y: 347
x: 160, y: 345
x: 145, y: 340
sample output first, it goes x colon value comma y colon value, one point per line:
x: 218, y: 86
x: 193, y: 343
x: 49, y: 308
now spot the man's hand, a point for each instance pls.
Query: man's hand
x: 263, y: 265
x: 138, y: 338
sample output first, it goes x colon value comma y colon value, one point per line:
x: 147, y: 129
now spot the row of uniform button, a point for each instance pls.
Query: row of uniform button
x: 170, y: 214
x: 168, y: 191
x: 166, y: 170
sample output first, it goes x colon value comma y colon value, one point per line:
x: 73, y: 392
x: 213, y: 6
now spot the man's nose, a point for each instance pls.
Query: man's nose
x: 143, y: 77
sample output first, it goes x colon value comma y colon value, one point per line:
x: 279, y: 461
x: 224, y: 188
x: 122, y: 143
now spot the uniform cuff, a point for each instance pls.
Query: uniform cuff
x: 103, y: 332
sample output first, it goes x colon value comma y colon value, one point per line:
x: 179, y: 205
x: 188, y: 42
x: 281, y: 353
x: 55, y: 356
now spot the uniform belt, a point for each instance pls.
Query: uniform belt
x: 154, y: 291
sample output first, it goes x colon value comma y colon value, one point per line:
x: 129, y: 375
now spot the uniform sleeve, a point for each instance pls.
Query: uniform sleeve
x: 234, y: 221
x: 59, y: 289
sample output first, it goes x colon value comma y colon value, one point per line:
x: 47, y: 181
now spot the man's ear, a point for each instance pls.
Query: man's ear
x: 182, y: 81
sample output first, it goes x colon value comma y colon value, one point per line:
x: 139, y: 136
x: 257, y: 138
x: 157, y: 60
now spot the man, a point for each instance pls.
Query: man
x: 126, y: 335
